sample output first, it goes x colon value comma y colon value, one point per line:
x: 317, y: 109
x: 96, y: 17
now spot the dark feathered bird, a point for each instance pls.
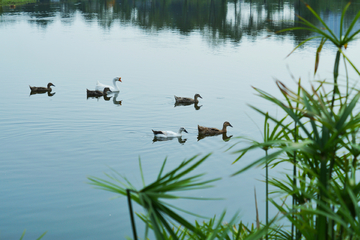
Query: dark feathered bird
x: 42, y: 89
x: 97, y: 93
x: 187, y: 100
x: 213, y: 131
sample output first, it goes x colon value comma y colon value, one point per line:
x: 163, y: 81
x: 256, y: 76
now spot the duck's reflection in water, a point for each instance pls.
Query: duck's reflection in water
x: 160, y: 139
x: 107, y: 98
x: 115, y: 101
x: 196, y: 105
x: 50, y: 94
x: 224, y: 136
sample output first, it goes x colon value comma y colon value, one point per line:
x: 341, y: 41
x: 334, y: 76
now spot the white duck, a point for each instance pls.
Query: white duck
x: 99, y: 86
x: 169, y: 134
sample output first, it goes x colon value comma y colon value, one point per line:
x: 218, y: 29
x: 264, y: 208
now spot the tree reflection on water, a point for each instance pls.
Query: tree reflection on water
x: 217, y: 20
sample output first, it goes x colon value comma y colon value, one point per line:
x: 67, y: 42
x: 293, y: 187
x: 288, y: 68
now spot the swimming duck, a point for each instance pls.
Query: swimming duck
x: 213, y: 131
x: 97, y: 93
x: 187, y: 100
x: 42, y: 89
x: 99, y: 86
x: 166, y: 134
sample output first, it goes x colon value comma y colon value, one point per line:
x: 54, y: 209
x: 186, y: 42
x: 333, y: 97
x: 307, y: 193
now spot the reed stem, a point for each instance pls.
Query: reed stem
x: 131, y: 214
x: 267, y: 193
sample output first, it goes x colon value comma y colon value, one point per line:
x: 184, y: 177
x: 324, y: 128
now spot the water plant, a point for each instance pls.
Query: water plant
x: 161, y: 217
x: 326, y: 34
x: 41, y: 236
x: 324, y: 134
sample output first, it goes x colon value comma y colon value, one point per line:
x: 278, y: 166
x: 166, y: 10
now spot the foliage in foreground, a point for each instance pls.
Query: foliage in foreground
x: 319, y: 136
x: 161, y: 217
x: 322, y: 143
x: 23, y: 234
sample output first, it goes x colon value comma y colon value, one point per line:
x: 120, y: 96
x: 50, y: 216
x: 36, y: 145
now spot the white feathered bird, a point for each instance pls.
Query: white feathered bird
x: 99, y: 86
x: 169, y: 134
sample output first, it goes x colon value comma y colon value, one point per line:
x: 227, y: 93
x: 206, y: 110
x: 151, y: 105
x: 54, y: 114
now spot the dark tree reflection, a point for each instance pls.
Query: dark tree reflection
x: 217, y: 20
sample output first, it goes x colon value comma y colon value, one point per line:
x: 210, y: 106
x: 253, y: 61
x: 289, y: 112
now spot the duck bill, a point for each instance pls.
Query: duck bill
x: 120, y: 79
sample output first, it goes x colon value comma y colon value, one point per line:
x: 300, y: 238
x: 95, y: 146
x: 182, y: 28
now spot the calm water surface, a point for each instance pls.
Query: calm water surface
x: 50, y: 144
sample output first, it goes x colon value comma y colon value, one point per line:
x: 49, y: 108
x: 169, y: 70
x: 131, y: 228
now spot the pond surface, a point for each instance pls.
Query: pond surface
x: 50, y: 144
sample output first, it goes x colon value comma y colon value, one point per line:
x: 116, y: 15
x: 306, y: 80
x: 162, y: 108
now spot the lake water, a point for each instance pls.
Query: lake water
x: 49, y: 145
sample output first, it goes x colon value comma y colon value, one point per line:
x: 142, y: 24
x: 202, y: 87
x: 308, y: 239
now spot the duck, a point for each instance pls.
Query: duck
x: 97, y: 93
x: 169, y: 134
x: 42, y: 89
x: 99, y: 86
x: 213, y: 131
x: 188, y: 100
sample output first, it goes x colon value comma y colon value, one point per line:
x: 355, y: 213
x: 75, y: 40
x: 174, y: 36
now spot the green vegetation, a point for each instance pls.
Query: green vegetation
x: 23, y: 234
x: 318, y: 134
x: 13, y: 3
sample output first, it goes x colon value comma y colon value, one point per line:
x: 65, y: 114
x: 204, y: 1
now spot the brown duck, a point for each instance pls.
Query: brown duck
x: 42, y: 89
x: 213, y: 131
x: 187, y: 100
x: 97, y: 93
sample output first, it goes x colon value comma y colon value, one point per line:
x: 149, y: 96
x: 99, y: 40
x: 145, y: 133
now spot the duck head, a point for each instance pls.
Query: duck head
x: 182, y: 130
x: 117, y: 79
x: 227, y: 124
x: 106, y: 90
x: 197, y: 95
x: 50, y: 84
